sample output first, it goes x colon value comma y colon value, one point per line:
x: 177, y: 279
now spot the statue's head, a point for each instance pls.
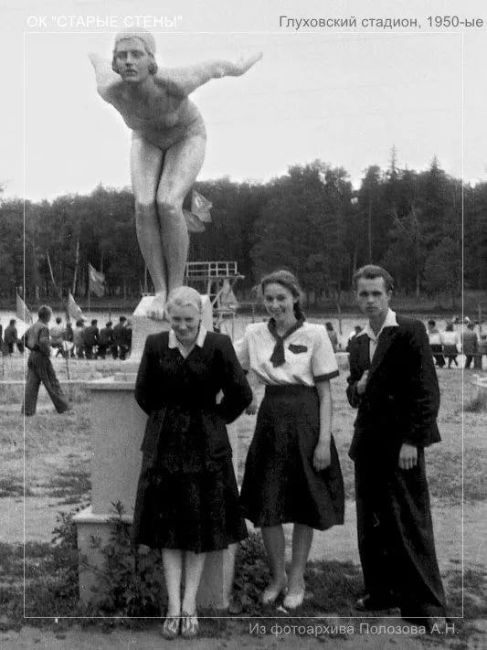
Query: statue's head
x: 129, y: 40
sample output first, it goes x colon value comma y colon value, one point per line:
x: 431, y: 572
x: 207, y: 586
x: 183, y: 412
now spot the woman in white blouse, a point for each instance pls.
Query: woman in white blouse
x: 292, y: 472
x: 450, y: 341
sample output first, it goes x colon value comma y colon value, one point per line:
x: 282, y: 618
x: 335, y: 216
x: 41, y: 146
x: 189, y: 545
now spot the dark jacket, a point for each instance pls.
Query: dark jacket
x: 11, y: 335
x: 470, y: 341
x: 186, y: 427
x: 119, y: 334
x: 402, y: 397
x: 106, y: 336
x: 90, y: 336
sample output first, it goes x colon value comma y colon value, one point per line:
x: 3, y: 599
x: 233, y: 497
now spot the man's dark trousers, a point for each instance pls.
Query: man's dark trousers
x: 395, y: 535
x: 40, y: 370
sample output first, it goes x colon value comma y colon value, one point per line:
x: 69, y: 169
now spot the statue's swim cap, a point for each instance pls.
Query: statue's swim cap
x: 142, y: 34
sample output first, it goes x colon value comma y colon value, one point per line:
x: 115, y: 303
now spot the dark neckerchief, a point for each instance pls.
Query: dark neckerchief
x: 277, y: 356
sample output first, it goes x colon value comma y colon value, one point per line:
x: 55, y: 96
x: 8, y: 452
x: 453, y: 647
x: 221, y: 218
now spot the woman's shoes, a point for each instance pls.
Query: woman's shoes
x: 189, y: 625
x: 272, y: 593
x: 294, y: 600
x: 170, y: 627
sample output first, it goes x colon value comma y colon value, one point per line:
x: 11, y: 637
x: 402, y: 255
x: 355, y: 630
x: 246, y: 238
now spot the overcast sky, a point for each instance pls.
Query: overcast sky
x: 345, y: 98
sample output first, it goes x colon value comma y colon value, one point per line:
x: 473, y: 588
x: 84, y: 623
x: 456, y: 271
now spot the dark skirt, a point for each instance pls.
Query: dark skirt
x: 197, y: 511
x: 280, y: 484
x: 450, y: 351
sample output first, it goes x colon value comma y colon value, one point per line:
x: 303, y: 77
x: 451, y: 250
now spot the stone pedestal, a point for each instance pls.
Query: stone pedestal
x: 118, y: 427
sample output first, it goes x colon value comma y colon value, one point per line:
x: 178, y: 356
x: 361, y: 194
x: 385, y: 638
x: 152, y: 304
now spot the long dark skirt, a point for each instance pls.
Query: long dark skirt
x: 280, y: 484
x: 197, y: 512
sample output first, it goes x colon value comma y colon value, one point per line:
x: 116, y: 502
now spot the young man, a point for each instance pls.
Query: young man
x: 393, y: 384
x: 11, y: 337
x: 39, y: 366
x: 470, y: 343
x: 90, y: 339
x: 436, y: 346
x: 105, y: 340
x: 120, y: 347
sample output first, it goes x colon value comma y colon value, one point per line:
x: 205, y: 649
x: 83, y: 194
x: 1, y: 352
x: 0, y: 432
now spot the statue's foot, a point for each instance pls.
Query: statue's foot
x: 157, y: 307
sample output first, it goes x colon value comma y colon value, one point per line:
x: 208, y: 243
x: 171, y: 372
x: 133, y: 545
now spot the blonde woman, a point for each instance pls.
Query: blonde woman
x: 187, y: 501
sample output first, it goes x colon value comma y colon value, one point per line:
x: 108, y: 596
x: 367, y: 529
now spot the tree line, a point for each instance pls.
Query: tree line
x: 310, y: 220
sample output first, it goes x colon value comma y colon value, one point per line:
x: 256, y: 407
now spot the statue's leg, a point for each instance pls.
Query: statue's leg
x: 182, y: 163
x: 145, y: 167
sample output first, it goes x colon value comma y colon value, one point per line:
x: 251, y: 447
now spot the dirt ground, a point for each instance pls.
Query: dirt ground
x: 56, y: 466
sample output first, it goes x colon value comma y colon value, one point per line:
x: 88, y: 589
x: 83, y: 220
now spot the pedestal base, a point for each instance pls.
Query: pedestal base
x: 118, y: 426
x: 216, y: 582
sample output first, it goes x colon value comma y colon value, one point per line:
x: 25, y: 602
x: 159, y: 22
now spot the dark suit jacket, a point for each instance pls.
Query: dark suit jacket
x: 402, y: 398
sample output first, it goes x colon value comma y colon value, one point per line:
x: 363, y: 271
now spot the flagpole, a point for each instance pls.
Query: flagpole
x: 66, y: 358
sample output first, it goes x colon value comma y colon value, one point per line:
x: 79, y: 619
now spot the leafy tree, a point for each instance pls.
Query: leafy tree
x: 443, y: 268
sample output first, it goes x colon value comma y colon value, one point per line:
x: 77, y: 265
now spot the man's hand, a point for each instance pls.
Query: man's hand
x: 408, y: 456
x: 322, y: 455
x: 362, y: 383
x: 252, y: 407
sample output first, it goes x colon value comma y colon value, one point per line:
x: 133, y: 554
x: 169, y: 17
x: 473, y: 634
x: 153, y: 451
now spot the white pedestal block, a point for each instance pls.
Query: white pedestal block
x: 118, y: 427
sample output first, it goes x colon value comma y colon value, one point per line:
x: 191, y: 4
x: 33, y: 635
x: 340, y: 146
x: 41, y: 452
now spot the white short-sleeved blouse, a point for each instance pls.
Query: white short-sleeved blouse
x: 308, y: 353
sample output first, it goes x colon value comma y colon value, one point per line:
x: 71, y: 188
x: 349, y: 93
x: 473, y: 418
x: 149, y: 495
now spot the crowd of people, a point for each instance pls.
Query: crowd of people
x: 89, y: 341
x: 81, y: 341
x: 447, y: 344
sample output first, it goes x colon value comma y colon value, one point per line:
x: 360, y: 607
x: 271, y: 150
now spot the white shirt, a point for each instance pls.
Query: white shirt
x: 449, y: 338
x: 308, y: 353
x: 434, y: 338
x: 390, y: 321
x: 175, y: 343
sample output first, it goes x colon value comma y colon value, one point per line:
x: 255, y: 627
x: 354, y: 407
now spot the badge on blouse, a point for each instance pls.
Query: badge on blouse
x: 297, y: 349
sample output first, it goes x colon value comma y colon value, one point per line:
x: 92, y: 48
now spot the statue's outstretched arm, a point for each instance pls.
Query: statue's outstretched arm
x: 183, y: 81
x: 106, y: 79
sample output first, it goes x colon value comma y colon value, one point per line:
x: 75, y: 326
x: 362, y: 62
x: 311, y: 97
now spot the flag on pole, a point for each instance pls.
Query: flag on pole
x: 97, y: 281
x: 200, y: 206
x: 22, y: 311
x: 74, y: 310
x: 193, y: 223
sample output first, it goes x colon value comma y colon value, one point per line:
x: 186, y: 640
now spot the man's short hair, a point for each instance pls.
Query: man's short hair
x: 371, y: 272
x: 12, y: 322
x: 94, y: 322
x: 58, y: 319
x: 44, y: 312
x: 122, y: 319
x: 432, y: 322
